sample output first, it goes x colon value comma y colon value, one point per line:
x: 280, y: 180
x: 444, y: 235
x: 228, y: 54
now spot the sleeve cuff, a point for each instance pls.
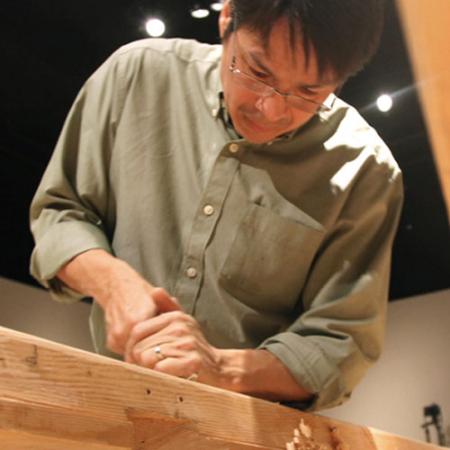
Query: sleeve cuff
x: 61, y: 243
x: 312, y: 369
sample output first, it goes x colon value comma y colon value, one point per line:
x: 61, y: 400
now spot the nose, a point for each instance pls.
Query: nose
x: 273, y: 107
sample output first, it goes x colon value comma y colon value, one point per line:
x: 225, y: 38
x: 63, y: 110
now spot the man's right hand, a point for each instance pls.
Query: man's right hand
x: 126, y: 298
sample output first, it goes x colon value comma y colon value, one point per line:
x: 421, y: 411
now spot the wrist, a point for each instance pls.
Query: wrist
x: 259, y: 373
x: 231, y: 369
x: 92, y: 273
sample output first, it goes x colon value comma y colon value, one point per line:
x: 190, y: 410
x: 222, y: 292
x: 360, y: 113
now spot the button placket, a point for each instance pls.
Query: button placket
x: 191, y: 275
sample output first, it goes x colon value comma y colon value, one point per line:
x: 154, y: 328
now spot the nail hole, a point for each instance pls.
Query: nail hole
x: 148, y: 391
x: 180, y: 399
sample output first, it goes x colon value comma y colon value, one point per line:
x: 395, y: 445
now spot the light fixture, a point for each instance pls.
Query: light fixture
x: 216, y: 6
x: 385, y: 103
x: 199, y: 11
x: 155, y: 27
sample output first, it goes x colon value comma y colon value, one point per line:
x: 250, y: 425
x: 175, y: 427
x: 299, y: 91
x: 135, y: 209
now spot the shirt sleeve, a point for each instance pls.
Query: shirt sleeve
x: 70, y: 210
x: 340, y: 333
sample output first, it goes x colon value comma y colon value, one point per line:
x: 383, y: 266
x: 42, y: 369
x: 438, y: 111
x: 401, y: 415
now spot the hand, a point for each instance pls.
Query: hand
x: 124, y: 295
x: 131, y: 300
x: 184, y: 351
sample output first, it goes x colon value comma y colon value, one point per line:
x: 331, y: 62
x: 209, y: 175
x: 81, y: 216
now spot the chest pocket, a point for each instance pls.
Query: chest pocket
x: 269, y: 259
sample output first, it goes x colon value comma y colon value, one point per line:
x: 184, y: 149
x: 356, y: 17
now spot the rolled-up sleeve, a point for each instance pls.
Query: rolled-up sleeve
x: 69, y: 212
x: 340, y: 332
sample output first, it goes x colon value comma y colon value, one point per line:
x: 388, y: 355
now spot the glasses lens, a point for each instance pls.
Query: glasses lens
x: 302, y: 104
x: 251, y: 83
x: 263, y: 89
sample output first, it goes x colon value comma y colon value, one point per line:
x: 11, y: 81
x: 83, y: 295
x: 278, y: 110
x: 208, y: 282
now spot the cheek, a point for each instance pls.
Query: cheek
x: 240, y: 103
x: 242, y: 99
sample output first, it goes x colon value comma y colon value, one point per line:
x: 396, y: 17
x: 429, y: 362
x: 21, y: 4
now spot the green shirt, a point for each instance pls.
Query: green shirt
x: 283, y: 246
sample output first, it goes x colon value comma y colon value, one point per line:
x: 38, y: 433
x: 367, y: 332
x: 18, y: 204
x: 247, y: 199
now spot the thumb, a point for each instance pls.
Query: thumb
x: 164, y: 302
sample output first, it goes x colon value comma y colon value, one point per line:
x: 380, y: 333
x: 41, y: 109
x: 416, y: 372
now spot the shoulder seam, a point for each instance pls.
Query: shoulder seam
x: 124, y: 50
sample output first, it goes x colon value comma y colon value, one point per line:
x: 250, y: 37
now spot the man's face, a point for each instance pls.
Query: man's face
x: 262, y: 118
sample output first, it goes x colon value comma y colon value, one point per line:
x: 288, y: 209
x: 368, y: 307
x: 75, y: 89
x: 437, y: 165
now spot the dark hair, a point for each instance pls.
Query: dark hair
x: 344, y: 33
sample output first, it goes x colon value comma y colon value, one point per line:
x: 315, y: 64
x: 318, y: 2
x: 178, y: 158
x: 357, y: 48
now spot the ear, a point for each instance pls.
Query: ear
x: 225, y: 18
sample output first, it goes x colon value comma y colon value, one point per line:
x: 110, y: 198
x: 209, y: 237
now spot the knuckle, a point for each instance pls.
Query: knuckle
x: 135, y: 332
x: 178, y: 316
x: 137, y: 355
x: 179, y: 330
x: 194, y: 362
x: 112, y: 344
x: 189, y: 343
x: 116, y: 333
x: 130, y: 320
x: 189, y: 319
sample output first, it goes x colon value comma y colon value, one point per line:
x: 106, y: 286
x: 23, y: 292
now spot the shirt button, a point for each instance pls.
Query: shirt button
x: 215, y: 111
x: 191, y: 272
x: 234, y: 148
x: 208, y: 210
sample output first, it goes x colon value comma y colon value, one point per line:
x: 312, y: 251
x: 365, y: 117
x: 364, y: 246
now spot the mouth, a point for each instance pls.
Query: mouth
x: 258, y: 126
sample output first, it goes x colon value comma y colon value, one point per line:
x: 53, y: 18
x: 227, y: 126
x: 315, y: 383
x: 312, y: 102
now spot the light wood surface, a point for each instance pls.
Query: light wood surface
x: 58, y: 397
x: 426, y: 24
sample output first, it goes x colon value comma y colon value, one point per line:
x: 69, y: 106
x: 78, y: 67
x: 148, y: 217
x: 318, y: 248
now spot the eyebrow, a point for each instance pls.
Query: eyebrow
x: 256, y: 59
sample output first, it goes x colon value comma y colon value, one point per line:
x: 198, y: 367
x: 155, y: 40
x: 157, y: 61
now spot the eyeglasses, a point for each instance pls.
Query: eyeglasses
x: 265, y: 90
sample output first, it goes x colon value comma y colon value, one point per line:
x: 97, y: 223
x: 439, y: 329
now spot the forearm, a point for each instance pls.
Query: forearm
x: 261, y: 374
x: 90, y: 273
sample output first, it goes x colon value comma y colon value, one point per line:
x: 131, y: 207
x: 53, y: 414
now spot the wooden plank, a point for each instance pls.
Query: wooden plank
x: 426, y: 26
x: 50, y: 391
x: 19, y: 420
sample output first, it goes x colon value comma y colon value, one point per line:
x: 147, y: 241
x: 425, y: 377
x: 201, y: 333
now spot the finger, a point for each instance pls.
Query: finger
x: 148, y: 335
x: 156, y: 352
x: 165, y: 302
x: 120, y: 322
x: 112, y: 345
x: 170, y: 346
x: 173, y: 323
x: 180, y: 367
x: 118, y: 334
x: 144, y: 353
x: 141, y: 331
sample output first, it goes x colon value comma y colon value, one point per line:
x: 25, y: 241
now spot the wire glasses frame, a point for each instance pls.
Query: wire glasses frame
x: 265, y: 90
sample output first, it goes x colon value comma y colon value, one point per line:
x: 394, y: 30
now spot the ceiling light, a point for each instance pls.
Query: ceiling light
x: 199, y: 12
x: 155, y: 27
x: 385, y: 103
x: 216, y: 6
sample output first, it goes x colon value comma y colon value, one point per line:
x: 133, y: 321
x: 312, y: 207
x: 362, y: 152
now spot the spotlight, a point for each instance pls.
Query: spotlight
x: 155, y: 27
x: 216, y: 6
x: 385, y: 103
x: 199, y: 12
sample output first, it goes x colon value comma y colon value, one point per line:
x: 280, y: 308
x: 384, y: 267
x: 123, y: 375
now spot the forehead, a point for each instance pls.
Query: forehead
x: 284, y: 51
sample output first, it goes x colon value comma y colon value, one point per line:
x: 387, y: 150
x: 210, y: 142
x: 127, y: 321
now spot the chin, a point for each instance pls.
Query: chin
x: 258, y: 139
x: 255, y: 134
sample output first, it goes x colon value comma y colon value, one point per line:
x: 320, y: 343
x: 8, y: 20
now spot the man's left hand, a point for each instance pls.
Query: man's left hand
x: 173, y: 343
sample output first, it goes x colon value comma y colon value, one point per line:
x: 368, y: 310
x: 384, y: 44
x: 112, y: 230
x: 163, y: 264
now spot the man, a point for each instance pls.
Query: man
x: 231, y: 218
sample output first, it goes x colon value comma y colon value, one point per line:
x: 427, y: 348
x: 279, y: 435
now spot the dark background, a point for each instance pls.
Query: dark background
x: 49, y: 47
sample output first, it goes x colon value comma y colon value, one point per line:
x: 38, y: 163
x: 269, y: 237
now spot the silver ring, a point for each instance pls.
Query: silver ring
x: 159, y: 353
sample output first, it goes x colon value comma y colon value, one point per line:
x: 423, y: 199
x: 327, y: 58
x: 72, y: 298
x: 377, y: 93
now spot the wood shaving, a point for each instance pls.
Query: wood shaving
x: 305, y: 429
